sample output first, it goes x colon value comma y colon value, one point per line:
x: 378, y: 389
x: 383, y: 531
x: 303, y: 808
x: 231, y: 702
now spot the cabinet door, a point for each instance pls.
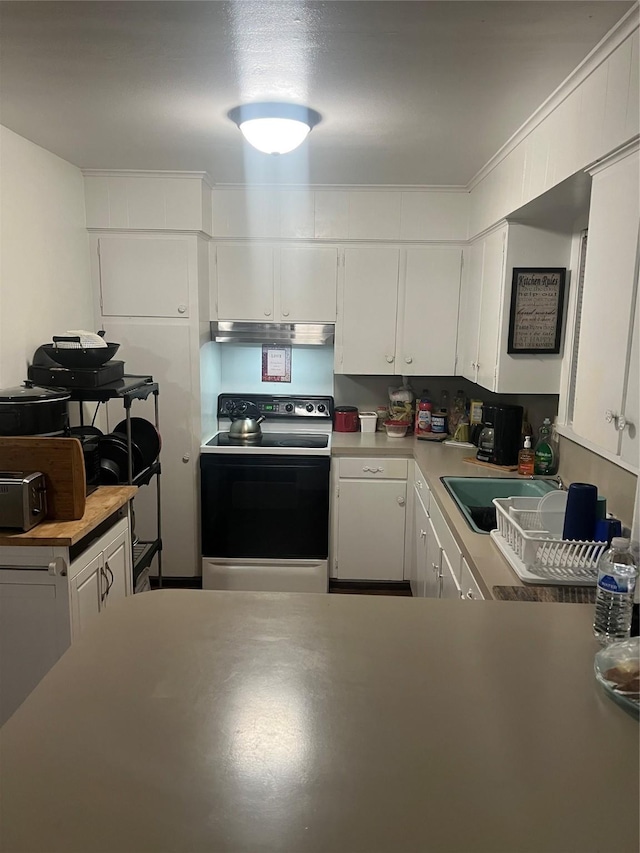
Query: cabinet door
x: 607, y: 305
x: 34, y: 631
x: 490, y: 308
x: 419, y: 555
x: 88, y: 590
x: 245, y: 283
x: 631, y: 408
x: 469, y: 319
x: 117, y: 565
x: 450, y: 588
x: 146, y: 276
x: 367, y: 326
x: 308, y: 279
x: 167, y: 350
x: 433, y: 563
x: 371, y: 520
x: 429, y: 321
x: 469, y: 589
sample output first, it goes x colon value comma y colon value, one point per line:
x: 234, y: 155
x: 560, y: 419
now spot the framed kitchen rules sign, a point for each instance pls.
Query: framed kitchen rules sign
x: 537, y: 305
x: 276, y: 364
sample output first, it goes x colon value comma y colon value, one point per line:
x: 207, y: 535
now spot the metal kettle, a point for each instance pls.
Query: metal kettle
x: 245, y: 422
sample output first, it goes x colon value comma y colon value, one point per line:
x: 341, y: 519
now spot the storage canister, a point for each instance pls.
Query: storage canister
x: 345, y: 419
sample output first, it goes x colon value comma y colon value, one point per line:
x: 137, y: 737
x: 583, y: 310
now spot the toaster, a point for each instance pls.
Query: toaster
x: 23, y: 499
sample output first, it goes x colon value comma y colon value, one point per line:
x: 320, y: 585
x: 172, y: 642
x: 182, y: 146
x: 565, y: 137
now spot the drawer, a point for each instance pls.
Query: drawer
x: 420, y: 484
x: 469, y: 589
x: 445, y: 536
x: 374, y: 469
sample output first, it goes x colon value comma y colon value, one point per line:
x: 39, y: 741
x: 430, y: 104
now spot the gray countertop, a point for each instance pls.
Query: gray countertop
x: 436, y: 460
x: 296, y: 723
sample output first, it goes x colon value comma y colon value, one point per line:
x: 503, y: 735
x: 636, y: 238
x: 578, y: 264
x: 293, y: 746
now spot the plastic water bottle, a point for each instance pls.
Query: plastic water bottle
x: 617, y: 575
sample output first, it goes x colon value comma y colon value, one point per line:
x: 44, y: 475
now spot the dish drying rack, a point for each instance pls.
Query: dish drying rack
x: 538, y: 556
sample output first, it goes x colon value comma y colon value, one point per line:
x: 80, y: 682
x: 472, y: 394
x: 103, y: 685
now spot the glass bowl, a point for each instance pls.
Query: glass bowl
x: 617, y: 668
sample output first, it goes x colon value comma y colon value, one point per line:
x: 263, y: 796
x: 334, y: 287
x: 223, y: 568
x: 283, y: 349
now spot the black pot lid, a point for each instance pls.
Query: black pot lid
x: 31, y: 394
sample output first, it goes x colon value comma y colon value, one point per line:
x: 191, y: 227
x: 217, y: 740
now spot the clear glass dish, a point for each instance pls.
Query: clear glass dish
x: 617, y: 668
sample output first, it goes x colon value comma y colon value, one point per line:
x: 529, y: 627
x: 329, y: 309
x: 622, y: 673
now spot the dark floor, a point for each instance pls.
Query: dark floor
x: 364, y: 588
x: 342, y: 587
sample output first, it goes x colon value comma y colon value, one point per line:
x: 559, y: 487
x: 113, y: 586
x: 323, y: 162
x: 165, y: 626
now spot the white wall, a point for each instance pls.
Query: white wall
x: 45, y: 285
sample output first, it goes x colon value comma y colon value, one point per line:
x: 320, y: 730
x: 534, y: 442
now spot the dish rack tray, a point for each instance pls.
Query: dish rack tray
x: 538, y: 556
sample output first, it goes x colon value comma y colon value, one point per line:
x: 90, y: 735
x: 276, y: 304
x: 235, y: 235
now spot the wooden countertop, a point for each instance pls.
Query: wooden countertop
x: 191, y: 720
x: 99, y: 506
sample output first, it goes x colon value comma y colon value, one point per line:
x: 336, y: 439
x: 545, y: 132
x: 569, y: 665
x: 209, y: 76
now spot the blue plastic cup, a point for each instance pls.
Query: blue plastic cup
x: 580, y: 515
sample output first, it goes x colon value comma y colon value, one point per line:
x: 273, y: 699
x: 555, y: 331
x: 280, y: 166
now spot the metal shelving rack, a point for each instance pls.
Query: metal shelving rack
x: 128, y: 389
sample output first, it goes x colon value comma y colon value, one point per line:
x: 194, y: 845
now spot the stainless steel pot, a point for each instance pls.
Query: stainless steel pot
x: 245, y: 422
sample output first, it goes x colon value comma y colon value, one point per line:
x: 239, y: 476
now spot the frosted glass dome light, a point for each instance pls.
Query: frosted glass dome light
x: 274, y: 128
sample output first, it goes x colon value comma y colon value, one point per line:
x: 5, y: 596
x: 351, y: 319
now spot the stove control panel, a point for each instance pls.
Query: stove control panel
x: 280, y: 407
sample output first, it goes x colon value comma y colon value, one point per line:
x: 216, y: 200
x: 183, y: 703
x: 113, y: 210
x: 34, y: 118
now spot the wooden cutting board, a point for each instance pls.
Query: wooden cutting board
x: 61, y: 461
x: 473, y: 461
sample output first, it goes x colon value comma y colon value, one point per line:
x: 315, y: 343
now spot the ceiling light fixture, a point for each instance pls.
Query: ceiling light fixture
x: 274, y: 128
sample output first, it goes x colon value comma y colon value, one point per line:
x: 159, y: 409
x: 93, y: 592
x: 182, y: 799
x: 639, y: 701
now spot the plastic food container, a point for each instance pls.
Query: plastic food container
x: 368, y: 421
x: 396, y: 429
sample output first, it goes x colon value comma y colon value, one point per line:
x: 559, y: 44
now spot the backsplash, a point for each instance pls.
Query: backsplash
x: 367, y: 392
x: 578, y: 465
x: 241, y: 370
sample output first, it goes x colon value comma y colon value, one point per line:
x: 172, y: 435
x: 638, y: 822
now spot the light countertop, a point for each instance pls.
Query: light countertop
x: 436, y: 460
x: 99, y: 506
x: 301, y: 723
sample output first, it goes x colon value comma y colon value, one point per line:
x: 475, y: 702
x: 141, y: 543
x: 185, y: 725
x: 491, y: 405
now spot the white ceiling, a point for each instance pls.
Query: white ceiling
x: 410, y: 92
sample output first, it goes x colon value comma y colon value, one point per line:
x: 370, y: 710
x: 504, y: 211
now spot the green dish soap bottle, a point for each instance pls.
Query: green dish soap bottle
x: 544, y: 457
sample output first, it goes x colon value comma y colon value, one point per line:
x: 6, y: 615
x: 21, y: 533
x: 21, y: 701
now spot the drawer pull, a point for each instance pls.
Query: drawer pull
x: 401, y: 501
x: 368, y: 470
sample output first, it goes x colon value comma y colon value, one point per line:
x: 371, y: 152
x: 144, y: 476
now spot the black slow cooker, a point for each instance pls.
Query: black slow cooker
x: 28, y: 410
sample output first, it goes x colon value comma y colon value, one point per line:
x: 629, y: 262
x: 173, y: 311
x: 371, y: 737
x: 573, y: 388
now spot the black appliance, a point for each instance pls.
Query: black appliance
x: 77, y: 377
x: 265, y: 507
x: 26, y: 410
x: 265, y: 497
x: 500, y: 439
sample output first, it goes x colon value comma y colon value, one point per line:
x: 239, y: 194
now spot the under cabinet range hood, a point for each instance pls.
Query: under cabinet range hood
x: 236, y: 332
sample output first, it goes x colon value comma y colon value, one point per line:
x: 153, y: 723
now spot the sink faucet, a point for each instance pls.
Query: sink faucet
x: 561, y: 484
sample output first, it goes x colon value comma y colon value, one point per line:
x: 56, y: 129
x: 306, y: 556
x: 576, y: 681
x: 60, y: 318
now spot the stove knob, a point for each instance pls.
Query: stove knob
x: 228, y: 406
x: 309, y: 407
x: 322, y: 407
x: 288, y: 407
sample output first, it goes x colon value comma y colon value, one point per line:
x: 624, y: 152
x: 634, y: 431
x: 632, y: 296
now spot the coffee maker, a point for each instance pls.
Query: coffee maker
x: 500, y: 439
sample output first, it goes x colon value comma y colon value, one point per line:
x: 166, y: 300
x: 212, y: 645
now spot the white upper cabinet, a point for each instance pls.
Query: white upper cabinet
x: 245, y: 283
x: 605, y: 372
x: 428, y: 311
x: 483, y: 328
x: 264, y: 283
x: 366, y: 333
x: 308, y: 284
x: 399, y: 311
x: 146, y: 276
x: 469, y: 316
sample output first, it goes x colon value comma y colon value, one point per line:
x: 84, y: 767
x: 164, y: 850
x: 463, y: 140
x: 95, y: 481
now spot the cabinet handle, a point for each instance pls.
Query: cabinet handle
x: 285, y: 313
x: 419, y: 483
x: 423, y: 534
x: 470, y: 595
x: 267, y: 313
x: 390, y: 359
x: 182, y: 309
x: 609, y: 416
x: 401, y: 501
x: 408, y: 359
x: 104, y: 591
x: 186, y: 457
x: 622, y: 423
x: 113, y: 580
x: 366, y: 469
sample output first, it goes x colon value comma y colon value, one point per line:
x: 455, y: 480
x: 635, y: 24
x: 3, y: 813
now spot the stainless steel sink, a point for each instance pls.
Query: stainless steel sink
x: 474, y: 496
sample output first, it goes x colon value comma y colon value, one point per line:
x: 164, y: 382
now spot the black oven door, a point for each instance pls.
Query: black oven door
x: 265, y: 507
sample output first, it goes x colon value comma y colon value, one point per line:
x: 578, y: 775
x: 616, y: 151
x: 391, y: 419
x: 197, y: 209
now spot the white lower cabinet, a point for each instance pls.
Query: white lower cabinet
x: 47, y: 601
x: 368, y: 519
x: 437, y: 569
